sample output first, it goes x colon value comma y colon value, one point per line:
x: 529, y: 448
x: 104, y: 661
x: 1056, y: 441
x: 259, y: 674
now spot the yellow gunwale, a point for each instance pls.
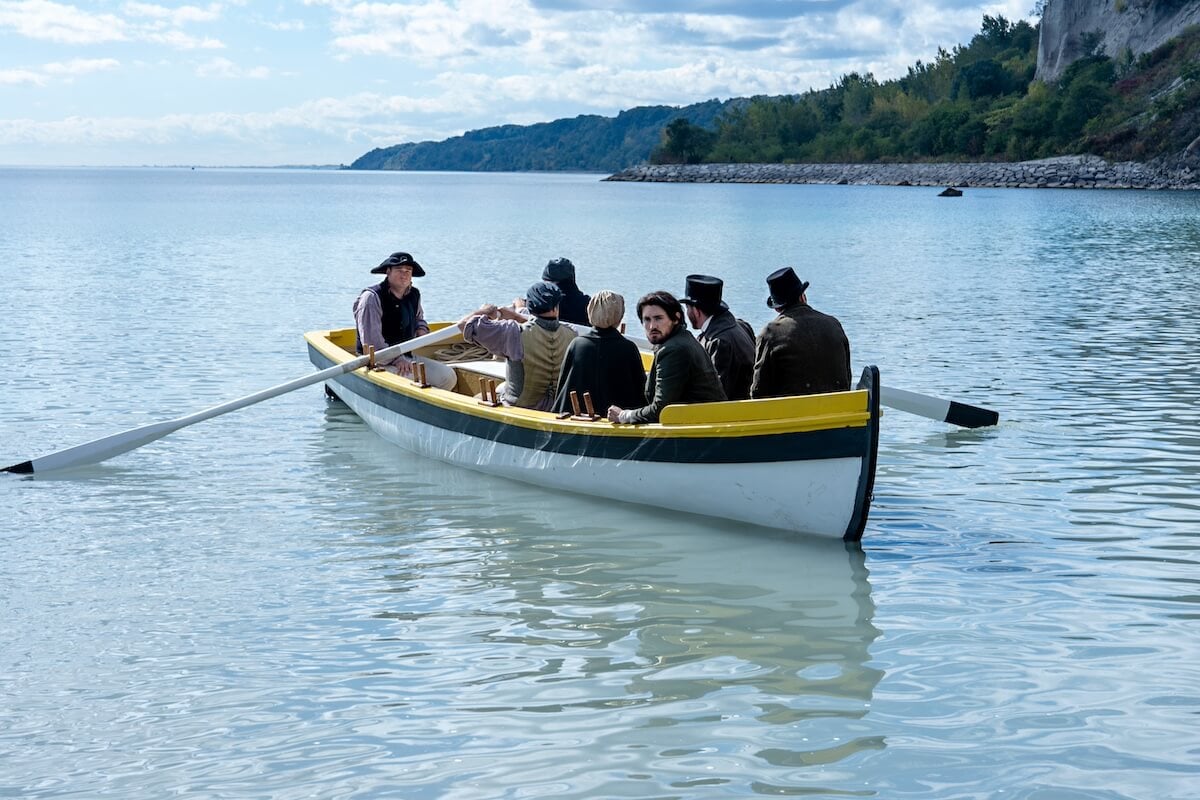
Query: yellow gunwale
x: 708, y: 420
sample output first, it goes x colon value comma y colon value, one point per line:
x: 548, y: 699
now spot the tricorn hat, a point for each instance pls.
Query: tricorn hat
x: 704, y: 292
x: 399, y: 260
x: 786, y: 287
x: 559, y: 269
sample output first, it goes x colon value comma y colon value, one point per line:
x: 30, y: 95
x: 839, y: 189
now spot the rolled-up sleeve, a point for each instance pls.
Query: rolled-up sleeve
x: 501, y: 337
x: 368, y: 318
x: 422, y: 326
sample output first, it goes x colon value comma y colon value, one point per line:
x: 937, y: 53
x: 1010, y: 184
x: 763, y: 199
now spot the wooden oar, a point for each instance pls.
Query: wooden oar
x: 923, y: 405
x: 101, y: 449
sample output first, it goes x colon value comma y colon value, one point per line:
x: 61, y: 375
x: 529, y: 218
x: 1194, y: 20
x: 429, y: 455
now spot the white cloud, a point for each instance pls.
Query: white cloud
x: 286, y: 25
x: 44, y: 20
x: 81, y: 66
x: 17, y: 77
x: 182, y: 41
x: 178, y: 17
x: 224, y: 68
x: 55, y: 22
x: 64, y: 71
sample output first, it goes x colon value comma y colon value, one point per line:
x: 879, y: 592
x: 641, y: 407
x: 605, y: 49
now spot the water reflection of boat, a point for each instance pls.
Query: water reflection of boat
x: 663, y: 607
x: 802, y: 464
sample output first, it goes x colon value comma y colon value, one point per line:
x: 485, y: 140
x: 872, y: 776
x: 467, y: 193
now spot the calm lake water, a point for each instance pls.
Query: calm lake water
x: 278, y: 604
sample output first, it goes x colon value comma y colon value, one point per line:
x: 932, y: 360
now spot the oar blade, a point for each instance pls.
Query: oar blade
x: 102, y: 449
x: 93, y: 452
x: 968, y: 416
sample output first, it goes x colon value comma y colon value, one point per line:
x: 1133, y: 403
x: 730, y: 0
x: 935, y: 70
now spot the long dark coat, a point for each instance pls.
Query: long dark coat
x: 801, y: 351
x: 731, y: 348
x: 681, y: 373
x: 573, y: 306
x: 605, y: 364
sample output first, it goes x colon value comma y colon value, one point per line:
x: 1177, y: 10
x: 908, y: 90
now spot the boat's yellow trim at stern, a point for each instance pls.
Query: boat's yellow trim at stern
x: 817, y: 405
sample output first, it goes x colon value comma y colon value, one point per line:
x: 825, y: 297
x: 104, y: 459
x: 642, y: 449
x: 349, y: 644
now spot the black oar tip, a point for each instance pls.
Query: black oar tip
x: 971, y: 416
x: 24, y: 468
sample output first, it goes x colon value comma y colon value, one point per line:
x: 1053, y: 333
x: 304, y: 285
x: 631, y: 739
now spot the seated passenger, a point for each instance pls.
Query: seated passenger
x: 574, y: 305
x: 602, y: 362
x: 533, y: 348
x: 682, y: 372
x: 801, y: 351
x: 390, y: 312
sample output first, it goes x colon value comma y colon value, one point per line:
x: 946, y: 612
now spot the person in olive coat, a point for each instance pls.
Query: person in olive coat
x: 681, y: 373
x: 728, y: 341
x: 801, y: 351
x: 602, y: 362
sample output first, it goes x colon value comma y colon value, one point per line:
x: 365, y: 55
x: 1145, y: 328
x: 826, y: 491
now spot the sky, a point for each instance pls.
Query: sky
x: 320, y: 82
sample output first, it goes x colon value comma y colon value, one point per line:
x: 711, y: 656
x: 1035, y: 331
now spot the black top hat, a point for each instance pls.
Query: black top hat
x: 704, y: 292
x: 785, y: 286
x: 399, y: 260
x: 559, y: 269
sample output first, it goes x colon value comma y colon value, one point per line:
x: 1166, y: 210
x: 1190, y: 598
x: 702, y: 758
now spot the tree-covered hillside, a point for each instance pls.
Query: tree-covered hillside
x: 978, y: 102
x: 586, y: 143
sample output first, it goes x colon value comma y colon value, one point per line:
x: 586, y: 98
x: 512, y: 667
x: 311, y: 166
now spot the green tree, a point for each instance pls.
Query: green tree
x: 683, y: 143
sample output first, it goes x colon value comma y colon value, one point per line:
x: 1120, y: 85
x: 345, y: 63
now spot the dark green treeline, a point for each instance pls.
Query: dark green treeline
x: 977, y: 102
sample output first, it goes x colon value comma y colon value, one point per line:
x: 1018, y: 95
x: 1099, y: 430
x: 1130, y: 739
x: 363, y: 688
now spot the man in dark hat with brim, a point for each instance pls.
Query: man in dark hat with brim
x: 533, y: 348
x: 390, y: 312
x: 728, y: 341
x: 801, y: 351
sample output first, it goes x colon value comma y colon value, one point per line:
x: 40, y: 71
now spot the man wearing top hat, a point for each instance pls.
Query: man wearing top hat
x: 534, y: 348
x: 390, y: 312
x: 801, y: 351
x: 728, y: 341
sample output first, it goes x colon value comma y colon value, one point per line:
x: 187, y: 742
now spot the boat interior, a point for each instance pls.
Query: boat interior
x: 478, y: 375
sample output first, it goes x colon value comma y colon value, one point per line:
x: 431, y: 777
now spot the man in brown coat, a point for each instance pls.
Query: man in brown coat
x: 801, y: 351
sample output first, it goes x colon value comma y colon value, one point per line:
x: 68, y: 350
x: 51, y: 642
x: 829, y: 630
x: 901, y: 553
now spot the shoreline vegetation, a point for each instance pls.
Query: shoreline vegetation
x: 1062, y: 172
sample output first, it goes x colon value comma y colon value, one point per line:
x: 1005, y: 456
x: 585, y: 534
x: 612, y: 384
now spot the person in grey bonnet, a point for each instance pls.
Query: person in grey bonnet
x: 534, y: 348
x: 573, y: 308
x: 728, y: 341
x: 390, y: 312
x: 602, y: 362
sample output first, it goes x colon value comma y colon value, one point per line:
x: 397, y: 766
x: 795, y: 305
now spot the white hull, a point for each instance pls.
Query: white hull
x: 813, y: 497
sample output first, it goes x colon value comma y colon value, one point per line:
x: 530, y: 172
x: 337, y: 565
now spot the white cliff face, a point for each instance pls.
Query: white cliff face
x: 1070, y: 26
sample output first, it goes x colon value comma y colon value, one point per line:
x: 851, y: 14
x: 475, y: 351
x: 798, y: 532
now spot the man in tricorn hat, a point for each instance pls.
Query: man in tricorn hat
x: 801, y: 351
x: 534, y: 348
x: 390, y: 312
x: 573, y: 308
x: 728, y: 341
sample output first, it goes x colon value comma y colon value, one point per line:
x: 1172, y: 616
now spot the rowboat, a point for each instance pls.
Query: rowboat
x: 801, y: 464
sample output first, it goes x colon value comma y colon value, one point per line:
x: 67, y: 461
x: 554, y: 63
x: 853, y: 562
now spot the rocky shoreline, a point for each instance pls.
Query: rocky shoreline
x: 1067, y: 172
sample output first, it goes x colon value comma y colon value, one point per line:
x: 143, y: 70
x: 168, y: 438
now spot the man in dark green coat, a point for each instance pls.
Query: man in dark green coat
x: 681, y: 373
x: 801, y: 351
